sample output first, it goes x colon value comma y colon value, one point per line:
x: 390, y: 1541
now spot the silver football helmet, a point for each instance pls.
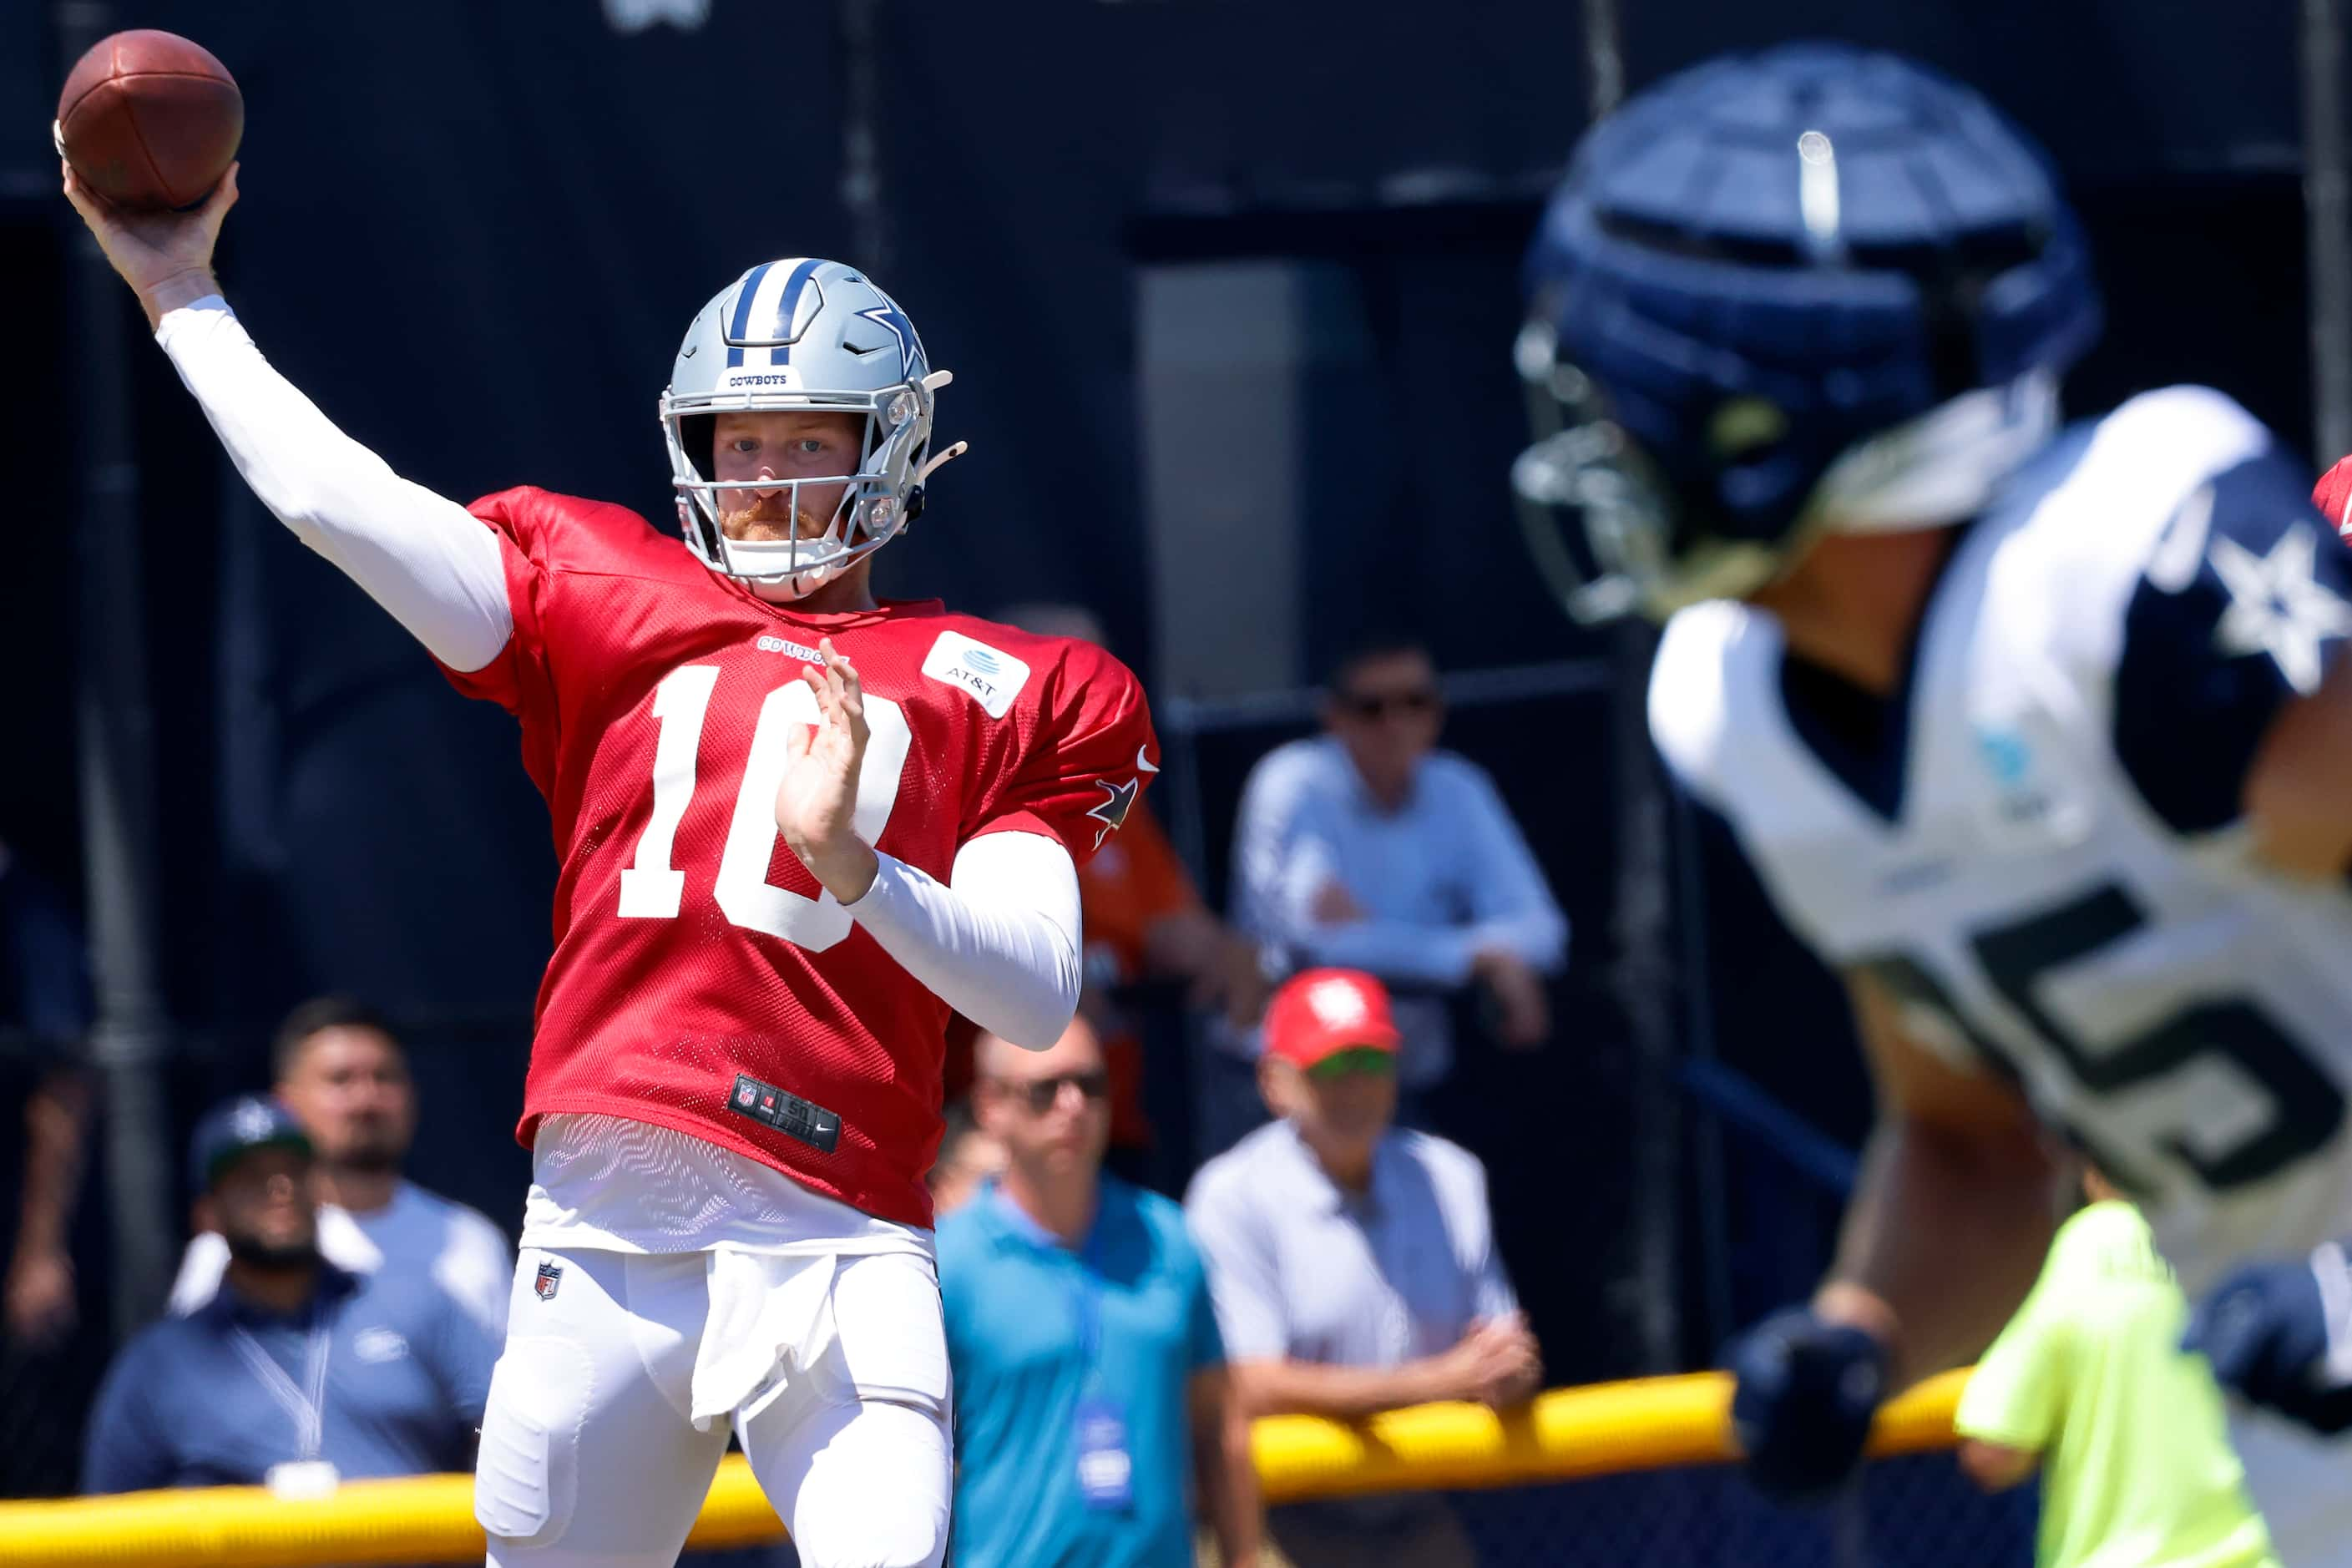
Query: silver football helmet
x: 802, y: 334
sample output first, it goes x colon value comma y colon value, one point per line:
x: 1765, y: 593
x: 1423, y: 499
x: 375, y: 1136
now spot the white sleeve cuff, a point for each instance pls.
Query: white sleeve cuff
x: 177, y: 319
x: 999, y: 942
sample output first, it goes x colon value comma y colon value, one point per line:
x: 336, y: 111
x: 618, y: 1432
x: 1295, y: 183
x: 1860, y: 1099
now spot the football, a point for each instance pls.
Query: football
x: 148, y: 120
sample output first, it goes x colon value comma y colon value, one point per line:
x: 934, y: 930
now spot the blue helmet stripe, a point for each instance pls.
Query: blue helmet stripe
x: 787, y: 307
x: 744, y: 313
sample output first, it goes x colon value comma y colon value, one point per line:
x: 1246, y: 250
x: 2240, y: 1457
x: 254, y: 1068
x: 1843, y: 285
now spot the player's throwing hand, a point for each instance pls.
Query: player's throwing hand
x: 166, y: 256
x: 817, y: 806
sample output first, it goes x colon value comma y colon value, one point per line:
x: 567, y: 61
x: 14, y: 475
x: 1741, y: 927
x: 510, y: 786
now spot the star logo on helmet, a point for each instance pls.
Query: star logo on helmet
x: 892, y: 320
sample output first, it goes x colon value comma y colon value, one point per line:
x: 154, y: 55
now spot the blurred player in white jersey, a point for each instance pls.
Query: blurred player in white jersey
x: 797, y: 826
x: 2039, y: 736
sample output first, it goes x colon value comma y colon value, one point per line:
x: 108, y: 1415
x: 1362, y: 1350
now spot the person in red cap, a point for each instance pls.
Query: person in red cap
x: 1352, y: 1263
x: 1329, y: 1066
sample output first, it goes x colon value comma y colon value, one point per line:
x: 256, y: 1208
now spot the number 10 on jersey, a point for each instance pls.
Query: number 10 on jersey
x: 652, y: 889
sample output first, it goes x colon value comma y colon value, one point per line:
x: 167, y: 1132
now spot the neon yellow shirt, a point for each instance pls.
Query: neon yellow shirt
x: 2136, y: 1466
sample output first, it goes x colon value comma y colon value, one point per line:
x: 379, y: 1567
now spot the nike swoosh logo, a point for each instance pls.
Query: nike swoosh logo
x: 690, y: 352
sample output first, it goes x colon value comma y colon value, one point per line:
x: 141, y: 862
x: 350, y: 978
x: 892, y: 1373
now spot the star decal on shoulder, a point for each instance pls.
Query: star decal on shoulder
x: 1112, y: 809
x: 2278, y: 605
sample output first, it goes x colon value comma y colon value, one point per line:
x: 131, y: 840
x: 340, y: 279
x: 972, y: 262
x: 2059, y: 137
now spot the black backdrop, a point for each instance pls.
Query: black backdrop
x: 473, y: 228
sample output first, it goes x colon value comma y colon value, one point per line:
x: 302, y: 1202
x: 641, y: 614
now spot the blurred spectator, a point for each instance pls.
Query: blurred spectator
x: 1352, y: 1263
x: 44, y: 1021
x: 1367, y: 847
x: 49, y: 1341
x: 297, y: 1372
x: 1144, y: 922
x: 968, y: 1160
x: 1093, y: 1412
x: 341, y: 1073
x: 2089, y: 1385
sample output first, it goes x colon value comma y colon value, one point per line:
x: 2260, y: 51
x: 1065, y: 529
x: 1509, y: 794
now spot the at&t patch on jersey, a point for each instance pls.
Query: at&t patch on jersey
x: 992, y: 676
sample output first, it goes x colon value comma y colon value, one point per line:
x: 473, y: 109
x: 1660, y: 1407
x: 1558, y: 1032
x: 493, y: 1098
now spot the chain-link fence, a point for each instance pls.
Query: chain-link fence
x: 43, y: 1397
x: 1916, y: 1512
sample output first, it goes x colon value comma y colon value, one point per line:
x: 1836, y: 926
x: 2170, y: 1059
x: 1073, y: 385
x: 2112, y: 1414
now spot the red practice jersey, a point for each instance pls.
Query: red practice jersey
x: 660, y: 704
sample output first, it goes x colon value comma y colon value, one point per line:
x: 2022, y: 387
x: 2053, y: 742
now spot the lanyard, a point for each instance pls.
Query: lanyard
x: 307, y: 1405
x: 1078, y: 1269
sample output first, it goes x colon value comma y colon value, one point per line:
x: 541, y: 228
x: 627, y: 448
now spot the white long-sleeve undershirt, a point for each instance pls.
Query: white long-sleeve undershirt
x: 1010, y: 904
x: 999, y: 942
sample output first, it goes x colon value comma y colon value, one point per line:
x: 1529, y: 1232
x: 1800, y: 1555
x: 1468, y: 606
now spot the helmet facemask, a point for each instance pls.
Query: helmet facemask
x: 1610, y: 534
x: 873, y: 505
x: 1614, y: 532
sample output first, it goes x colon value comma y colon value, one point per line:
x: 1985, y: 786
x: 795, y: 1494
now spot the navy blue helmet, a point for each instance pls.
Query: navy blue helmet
x: 1811, y: 288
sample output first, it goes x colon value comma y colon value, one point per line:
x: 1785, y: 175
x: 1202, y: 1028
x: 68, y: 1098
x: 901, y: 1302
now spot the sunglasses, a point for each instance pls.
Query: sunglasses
x: 1371, y: 705
x: 1041, y: 1095
x: 1354, y: 1059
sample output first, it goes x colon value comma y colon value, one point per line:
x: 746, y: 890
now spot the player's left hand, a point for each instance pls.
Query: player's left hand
x: 1806, y: 1389
x: 816, y: 804
x: 2280, y: 1333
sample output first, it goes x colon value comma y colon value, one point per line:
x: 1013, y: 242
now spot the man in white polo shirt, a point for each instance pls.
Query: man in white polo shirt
x: 1353, y: 1265
x: 343, y: 1076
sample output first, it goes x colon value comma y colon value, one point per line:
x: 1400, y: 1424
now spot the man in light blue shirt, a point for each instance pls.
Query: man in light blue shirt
x: 1366, y: 848
x: 297, y: 1375
x: 1093, y: 1413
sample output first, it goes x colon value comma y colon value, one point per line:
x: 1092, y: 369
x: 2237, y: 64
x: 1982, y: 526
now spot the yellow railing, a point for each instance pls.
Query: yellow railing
x: 1569, y: 1432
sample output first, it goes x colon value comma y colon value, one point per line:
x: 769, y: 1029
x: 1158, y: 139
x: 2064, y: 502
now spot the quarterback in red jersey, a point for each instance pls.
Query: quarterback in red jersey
x: 797, y: 826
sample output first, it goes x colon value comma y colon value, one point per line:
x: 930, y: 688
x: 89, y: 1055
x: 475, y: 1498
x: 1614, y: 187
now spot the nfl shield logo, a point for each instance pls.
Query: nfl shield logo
x: 551, y: 1275
x: 744, y: 1093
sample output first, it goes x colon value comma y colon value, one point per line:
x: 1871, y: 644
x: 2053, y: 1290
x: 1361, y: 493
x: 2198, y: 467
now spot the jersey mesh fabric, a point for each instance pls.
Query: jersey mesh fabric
x: 620, y: 1185
x: 650, y: 1017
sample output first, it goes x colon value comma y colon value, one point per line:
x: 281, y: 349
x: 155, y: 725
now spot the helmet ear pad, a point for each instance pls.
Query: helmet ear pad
x: 698, y: 433
x: 697, y: 437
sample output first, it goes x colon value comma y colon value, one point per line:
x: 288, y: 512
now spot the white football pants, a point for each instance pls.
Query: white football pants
x: 589, y: 1456
x: 2302, y: 1484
